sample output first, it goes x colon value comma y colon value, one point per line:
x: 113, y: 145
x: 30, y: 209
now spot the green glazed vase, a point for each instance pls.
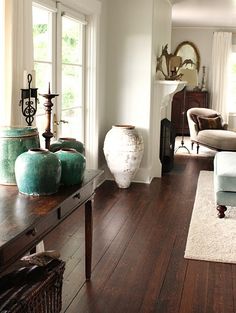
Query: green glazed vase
x: 73, y: 166
x: 13, y: 142
x: 38, y: 172
x: 67, y: 143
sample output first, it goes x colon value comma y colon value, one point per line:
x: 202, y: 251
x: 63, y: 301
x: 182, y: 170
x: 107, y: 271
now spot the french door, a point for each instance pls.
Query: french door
x: 59, y: 58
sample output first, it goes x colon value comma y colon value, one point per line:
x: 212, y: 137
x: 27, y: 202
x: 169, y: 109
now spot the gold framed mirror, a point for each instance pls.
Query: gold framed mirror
x: 188, y: 50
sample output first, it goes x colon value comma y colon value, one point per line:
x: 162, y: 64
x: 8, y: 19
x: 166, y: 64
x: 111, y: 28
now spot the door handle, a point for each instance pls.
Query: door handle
x: 56, y: 123
x: 61, y: 121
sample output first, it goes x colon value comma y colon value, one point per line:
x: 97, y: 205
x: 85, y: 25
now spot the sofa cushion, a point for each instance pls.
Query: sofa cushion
x: 209, y: 122
x: 217, y: 139
x: 225, y: 171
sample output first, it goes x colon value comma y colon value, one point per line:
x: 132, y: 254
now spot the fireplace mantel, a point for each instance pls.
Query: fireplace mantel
x: 164, y: 91
x: 167, y: 88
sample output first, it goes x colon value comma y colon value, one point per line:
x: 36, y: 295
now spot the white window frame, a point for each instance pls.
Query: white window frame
x: 92, y: 9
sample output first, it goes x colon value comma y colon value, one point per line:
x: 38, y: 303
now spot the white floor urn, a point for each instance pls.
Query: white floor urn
x: 123, y: 150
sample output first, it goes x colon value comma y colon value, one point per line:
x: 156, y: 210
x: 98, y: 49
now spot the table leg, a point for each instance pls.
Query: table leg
x: 88, y: 238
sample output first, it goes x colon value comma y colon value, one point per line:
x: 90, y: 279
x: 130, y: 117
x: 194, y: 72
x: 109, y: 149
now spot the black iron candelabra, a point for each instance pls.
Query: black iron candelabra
x: 29, y: 101
x: 182, y: 146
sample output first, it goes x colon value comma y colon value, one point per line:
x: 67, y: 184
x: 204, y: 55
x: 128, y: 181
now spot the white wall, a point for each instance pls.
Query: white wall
x: 102, y: 120
x: 161, y: 37
x: 128, y: 65
x: 136, y: 30
x: 129, y: 62
x: 202, y: 38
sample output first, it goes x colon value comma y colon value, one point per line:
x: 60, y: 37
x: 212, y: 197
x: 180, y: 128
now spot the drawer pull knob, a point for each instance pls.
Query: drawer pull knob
x: 32, y: 232
x: 77, y: 196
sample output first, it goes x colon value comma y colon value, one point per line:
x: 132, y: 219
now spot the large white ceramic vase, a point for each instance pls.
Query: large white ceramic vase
x: 123, y: 150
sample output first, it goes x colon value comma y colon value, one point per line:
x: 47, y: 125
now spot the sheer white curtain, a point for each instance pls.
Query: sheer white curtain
x: 221, y: 52
x: 16, y: 38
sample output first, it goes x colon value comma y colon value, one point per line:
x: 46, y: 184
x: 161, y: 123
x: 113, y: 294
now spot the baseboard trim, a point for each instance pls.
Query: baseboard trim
x: 142, y: 175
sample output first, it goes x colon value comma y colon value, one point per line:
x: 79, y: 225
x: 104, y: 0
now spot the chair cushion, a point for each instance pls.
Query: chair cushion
x: 209, y: 122
x: 218, y: 139
x: 225, y: 171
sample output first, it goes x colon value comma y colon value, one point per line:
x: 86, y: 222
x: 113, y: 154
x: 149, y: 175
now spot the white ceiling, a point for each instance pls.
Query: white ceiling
x: 204, y: 13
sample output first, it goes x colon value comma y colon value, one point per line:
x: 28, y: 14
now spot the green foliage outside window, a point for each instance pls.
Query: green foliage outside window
x: 71, y: 35
x: 40, y: 29
x: 40, y: 35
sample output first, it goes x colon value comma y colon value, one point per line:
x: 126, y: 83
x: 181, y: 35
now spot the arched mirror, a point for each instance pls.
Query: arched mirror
x: 188, y: 50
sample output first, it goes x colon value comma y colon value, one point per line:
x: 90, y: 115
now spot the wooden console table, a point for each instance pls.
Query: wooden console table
x: 26, y: 220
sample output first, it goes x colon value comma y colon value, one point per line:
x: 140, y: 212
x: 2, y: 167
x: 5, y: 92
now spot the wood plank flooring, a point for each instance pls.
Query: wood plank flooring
x: 139, y: 240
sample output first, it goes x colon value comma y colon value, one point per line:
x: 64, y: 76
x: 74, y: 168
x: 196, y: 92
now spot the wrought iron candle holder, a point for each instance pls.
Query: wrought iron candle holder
x: 29, y: 101
x: 48, y: 110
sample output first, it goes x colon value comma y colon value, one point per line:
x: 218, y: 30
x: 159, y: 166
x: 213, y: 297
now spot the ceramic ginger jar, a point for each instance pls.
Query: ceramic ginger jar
x: 38, y: 172
x: 67, y: 142
x: 123, y: 149
x: 13, y: 142
x: 72, y: 166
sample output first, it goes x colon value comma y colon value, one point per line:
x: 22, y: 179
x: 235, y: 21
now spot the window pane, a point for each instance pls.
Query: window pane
x: 42, y: 34
x: 43, y: 77
x: 71, y: 41
x: 71, y: 86
x: 41, y: 123
x: 74, y: 128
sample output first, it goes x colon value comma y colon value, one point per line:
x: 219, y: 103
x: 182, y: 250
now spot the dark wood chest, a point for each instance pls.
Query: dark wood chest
x: 182, y: 101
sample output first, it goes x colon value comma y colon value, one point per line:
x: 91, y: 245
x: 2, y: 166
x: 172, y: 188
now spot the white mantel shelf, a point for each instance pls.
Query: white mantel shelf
x: 168, y: 88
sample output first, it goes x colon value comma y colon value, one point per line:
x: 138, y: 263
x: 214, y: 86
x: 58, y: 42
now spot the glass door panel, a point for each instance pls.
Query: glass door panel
x: 71, y: 108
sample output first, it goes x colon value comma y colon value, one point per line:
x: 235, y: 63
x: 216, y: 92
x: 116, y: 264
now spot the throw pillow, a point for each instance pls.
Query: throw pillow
x: 209, y: 122
x: 194, y: 117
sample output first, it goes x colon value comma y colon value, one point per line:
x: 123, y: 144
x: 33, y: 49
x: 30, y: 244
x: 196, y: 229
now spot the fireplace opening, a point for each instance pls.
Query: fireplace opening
x: 167, y: 145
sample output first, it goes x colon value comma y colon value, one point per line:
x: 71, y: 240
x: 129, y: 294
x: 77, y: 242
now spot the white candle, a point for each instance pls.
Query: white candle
x: 25, y: 80
x: 33, y: 79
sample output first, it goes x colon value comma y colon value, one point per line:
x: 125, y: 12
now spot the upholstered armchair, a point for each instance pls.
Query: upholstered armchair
x: 207, y: 128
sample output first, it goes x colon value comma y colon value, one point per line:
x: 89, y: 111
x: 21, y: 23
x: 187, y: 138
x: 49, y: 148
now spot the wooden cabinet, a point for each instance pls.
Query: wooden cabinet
x: 182, y: 101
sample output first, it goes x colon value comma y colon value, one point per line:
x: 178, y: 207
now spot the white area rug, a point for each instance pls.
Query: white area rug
x: 203, y: 151
x: 210, y: 238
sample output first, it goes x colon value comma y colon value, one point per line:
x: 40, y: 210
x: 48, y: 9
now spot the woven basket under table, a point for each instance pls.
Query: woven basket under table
x: 37, y: 293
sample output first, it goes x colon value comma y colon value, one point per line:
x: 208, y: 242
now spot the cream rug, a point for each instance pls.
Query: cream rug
x: 210, y: 238
x: 203, y: 151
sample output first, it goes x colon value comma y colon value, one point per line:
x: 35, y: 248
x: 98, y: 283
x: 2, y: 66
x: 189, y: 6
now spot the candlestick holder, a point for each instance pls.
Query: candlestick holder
x: 29, y: 101
x: 48, y: 110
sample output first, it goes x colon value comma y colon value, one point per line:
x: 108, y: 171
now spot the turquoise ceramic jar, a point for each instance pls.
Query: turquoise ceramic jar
x: 67, y: 143
x: 73, y: 166
x: 13, y: 142
x: 38, y: 172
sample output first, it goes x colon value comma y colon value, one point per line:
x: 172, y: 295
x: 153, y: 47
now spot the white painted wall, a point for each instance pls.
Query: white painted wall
x: 102, y: 111
x: 128, y: 65
x: 161, y: 37
x: 129, y: 62
x: 136, y: 30
x: 202, y: 38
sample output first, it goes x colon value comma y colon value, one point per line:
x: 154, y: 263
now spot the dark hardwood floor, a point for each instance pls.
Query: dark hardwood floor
x: 138, y: 255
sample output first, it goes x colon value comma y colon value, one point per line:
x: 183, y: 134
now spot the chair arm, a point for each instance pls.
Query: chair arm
x: 193, y: 129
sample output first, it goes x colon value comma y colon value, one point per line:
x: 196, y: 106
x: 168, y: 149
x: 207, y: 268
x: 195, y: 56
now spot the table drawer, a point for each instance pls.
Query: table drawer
x: 75, y: 200
x: 30, y: 237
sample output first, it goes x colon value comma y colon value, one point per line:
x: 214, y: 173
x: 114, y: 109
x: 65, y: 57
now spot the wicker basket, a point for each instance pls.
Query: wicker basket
x: 37, y: 292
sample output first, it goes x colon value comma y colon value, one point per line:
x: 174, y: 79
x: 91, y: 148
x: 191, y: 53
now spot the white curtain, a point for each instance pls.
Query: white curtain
x: 16, y: 38
x: 221, y: 51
